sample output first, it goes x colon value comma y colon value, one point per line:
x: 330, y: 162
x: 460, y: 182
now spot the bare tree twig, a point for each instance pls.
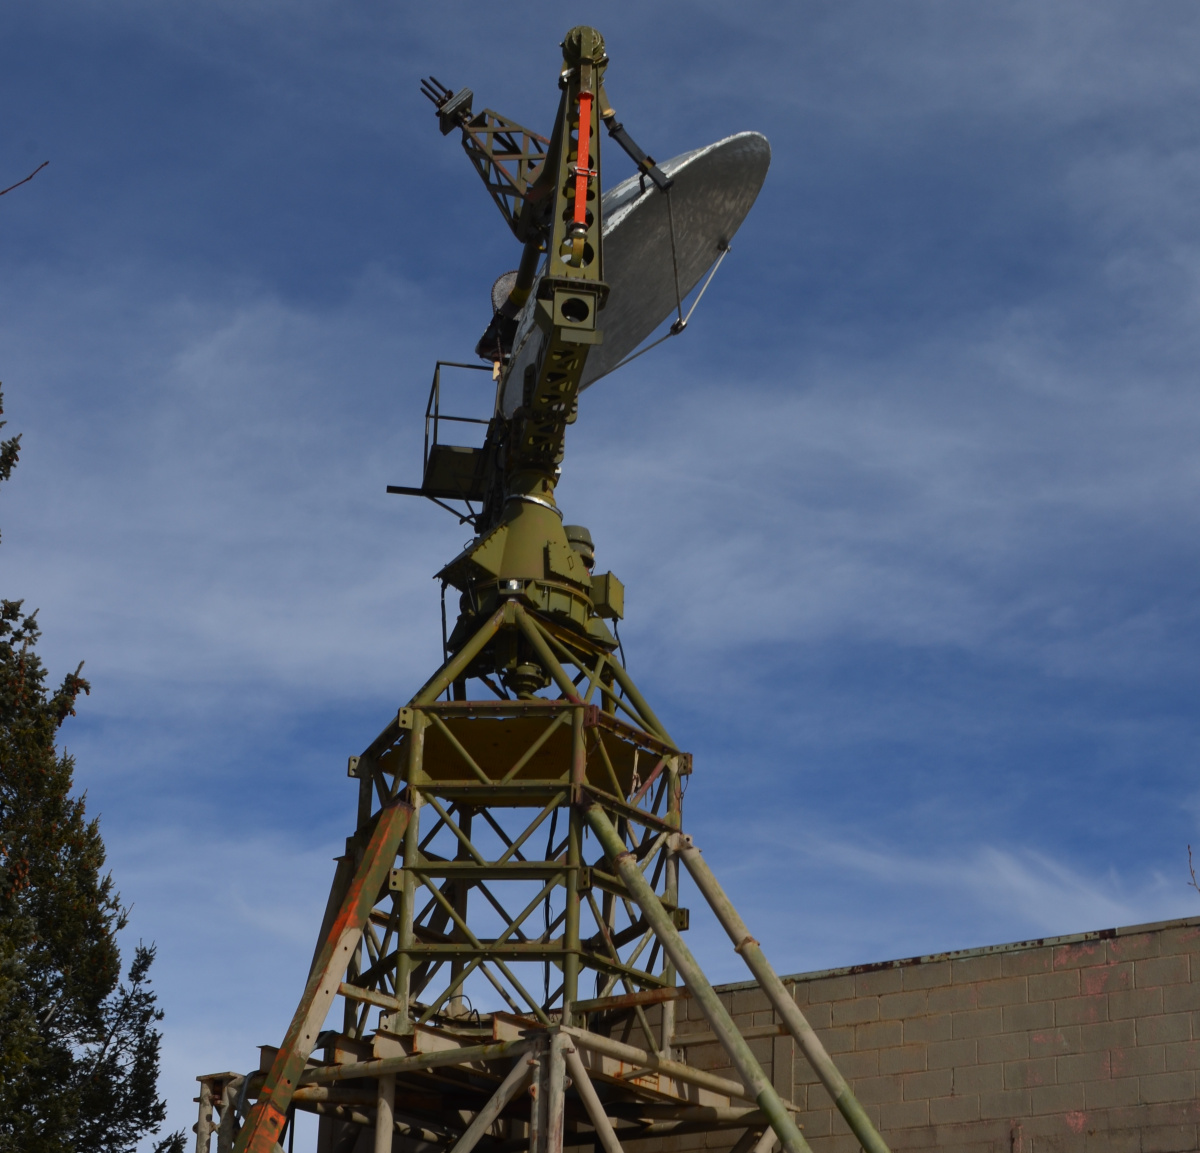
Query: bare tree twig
x: 1193, y: 883
x: 27, y: 178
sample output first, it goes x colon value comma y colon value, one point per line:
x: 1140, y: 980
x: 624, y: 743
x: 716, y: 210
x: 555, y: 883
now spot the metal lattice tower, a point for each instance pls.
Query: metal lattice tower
x: 525, y: 849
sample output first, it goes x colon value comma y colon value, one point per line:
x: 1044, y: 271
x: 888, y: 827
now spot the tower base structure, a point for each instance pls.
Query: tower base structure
x: 526, y: 852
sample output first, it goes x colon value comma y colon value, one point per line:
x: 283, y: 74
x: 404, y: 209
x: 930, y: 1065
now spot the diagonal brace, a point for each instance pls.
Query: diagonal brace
x: 789, y: 1012
x: 268, y: 1115
x: 757, y: 1085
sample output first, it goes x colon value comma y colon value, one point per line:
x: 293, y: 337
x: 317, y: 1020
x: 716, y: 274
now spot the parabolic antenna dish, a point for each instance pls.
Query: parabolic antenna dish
x: 714, y: 188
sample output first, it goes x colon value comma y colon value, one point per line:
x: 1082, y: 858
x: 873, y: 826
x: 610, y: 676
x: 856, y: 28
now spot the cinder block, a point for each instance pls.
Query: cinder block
x: 798, y: 990
x: 863, y: 1064
x: 954, y: 1110
x: 904, y: 1114
x: 1056, y: 1099
x: 1026, y: 961
x: 967, y: 970
x: 1107, y: 1035
x: 906, y: 1140
x: 1168, y: 1113
x: 820, y: 1015
x: 856, y: 1012
x: 933, y: 1083
x: 1168, y: 1138
x: 1183, y: 1055
x: 978, y: 1023
x: 878, y: 981
x: 960, y: 1139
x: 878, y: 1035
x: 763, y: 1050
x: 818, y: 1098
x: 1083, y: 1010
x: 1050, y: 1125
x: 1026, y: 1074
x: 818, y: 1123
x: 749, y: 1001
x: 1054, y: 1042
x: 1111, y: 977
x: 951, y: 1054
x: 903, y: 1059
x: 1080, y: 955
x: 900, y: 1006
x: 838, y: 1040
x: 1138, y: 1061
x: 926, y: 976
x: 1111, y: 1094
x: 708, y: 1057
x: 1158, y: 1087
x: 1134, y: 1003
x: 979, y: 1079
x: 1051, y: 986
x: 1181, y: 998
x: 1162, y: 971
x: 1106, y: 1141
x: 1185, y: 939
x: 1004, y: 1047
x: 877, y: 1090
x: 1009, y: 991
x: 1083, y: 1067
x: 1163, y: 1028
x: 802, y: 1072
x: 1006, y: 1103
x: 836, y: 1142
x: 1134, y: 946
x: 953, y: 998
x: 831, y: 989
x: 1038, y: 1015
x: 933, y: 1027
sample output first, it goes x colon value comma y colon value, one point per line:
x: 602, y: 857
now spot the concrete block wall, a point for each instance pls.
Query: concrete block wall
x: 1081, y: 1044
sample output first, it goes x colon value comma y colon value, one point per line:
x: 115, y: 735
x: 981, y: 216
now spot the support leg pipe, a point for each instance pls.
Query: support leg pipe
x: 591, y: 1101
x: 783, y: 1004
x: 517, y: 1077
x: 732, y: 1041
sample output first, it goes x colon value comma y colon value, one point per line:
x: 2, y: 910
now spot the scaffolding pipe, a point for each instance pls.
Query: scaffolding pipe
x: 789, y: 1012
x: 486, y: 1117
x: 732, y: 1041
x: 591, y: 1102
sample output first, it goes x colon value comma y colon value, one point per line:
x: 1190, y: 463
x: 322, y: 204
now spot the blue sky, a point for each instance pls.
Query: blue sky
x: 907, y: 519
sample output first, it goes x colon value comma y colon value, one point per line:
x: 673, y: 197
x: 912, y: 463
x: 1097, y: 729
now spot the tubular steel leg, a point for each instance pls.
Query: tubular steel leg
x: 693, y: 976
x: 556, y: 1093
x: 204, y: 1124
x: 227, y: 1131
x: 517, y: 1077
x: 591, y: 1102
x: 789, y: 1012
x: 401, y: 1022
x: 384, y: 1116
x: 537, y: 1092
x: 267, y: 1117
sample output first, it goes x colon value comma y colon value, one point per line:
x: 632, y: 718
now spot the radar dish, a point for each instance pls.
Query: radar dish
x: 714, y: 188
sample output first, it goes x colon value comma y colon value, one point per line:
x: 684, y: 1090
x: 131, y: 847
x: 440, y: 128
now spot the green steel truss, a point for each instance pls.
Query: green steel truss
x: 504, y: 935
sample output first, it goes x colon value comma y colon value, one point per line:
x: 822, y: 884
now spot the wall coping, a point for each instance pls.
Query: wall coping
x: 983, y: 951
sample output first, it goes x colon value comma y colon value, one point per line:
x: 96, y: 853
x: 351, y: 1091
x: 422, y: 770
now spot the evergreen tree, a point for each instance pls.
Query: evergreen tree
x: 79, y: 1052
